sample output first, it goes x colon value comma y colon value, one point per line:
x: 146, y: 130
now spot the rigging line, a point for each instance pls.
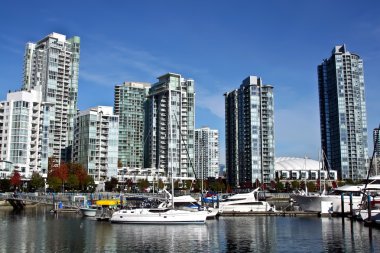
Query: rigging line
x: 324, y: 158
x: 187, y: 151
x: 371, y: 162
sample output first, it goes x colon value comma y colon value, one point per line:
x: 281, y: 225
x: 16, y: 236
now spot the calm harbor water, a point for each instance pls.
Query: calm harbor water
x: 37, y: 230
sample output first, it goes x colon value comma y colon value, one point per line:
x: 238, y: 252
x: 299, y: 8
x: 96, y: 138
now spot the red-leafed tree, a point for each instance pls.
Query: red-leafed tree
x: 61, y: 173
x: 16, y: 179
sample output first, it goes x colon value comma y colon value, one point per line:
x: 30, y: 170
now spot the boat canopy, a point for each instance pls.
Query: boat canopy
x: 108, y: 202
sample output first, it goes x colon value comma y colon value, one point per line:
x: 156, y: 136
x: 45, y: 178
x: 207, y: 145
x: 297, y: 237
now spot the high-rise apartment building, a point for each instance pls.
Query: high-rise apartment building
x: 169, y: 129
x: 250, y: 133
x: 53, y: 63
x: 343, y: 113
x: 129, y: 101
x: 24, y: 133
x: 206, y: 152
x: 96, y: 142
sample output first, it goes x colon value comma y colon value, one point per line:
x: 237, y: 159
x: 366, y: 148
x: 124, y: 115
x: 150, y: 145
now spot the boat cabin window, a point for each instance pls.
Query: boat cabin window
x: 258, y: 203
x: 158, y: 210
x: 227, y: 200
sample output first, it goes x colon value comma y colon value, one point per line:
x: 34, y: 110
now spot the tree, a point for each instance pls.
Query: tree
x: 142, y: 184
x: 5, y: 185
x: 176, y: 184
x: 287, y: 186
x: 54, y: 183
x: 111, y: 185
x: 90, y: 184
x: 72, y: 182
x: 295, y: 184
x: 36, y: 182
x: 160, y: 184
x: 279, y: 186
x: 61, y: 173
x: 16, y: 179
x: 119, y: 163
x: 78, y: 175
x: 311, y: 186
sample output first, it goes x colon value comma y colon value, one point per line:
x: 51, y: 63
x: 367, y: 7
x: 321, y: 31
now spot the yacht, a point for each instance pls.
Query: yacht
x: 372, y: 189
x: 188, y: 203
x: 159, y: 216
x: 332, y: 202
x: 245, y: 202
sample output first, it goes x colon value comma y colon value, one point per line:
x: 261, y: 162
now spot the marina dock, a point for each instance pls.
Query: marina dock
x: 278, y: 213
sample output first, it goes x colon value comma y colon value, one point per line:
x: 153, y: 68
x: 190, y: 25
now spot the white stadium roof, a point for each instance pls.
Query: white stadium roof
x: 294, y: 163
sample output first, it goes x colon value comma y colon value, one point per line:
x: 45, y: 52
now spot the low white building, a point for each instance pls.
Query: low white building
x: 293, y: 168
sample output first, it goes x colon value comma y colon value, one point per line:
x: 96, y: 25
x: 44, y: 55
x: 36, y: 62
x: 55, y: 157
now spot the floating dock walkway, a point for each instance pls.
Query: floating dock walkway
x: 277, y: 213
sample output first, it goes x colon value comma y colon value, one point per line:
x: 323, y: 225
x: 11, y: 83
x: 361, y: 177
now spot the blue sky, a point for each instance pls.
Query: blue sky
x: 216, y: 43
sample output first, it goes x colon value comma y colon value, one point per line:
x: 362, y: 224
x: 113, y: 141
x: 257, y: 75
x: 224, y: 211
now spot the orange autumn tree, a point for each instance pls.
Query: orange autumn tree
x: 58, y: 175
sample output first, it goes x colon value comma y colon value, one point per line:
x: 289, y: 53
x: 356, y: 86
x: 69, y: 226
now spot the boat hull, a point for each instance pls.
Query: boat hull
x: 146, y: 216
x: 264, y: 207
x: 313, y: 203
x: 375, y: 215
x: 88, y: 212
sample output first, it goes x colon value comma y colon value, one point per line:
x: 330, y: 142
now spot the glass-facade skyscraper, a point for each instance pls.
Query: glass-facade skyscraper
x: 206, y: 152
x: 130, y: 98
x: 169, y: 131
x: 53, y: 63
x: 250, y: 133
x: 96, y: 142
x: 343, y: 114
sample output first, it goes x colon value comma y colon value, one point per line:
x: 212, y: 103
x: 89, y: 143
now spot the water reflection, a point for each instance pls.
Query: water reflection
x: 36, y: 230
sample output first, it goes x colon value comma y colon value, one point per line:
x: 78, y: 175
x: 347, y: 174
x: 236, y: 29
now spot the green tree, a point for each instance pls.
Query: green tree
x: 54, y: 183
x: 295, y: 184
x: 142, y: 184
x: 161, y: 184
x: 311, y: 186
x: 36, y: 182
x: 279, y: 186
x: 72, y: 182
x: 90, y: 184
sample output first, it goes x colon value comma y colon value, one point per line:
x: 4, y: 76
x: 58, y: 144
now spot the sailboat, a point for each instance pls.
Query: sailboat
x: 160, y: 215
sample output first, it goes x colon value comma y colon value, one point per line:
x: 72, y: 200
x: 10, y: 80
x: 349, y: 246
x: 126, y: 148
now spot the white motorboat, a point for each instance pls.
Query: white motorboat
x: 332, y: 201
x: 159, y: 216
x: 89, y: 211
x: 245, y: 202
x: 371, y: 190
